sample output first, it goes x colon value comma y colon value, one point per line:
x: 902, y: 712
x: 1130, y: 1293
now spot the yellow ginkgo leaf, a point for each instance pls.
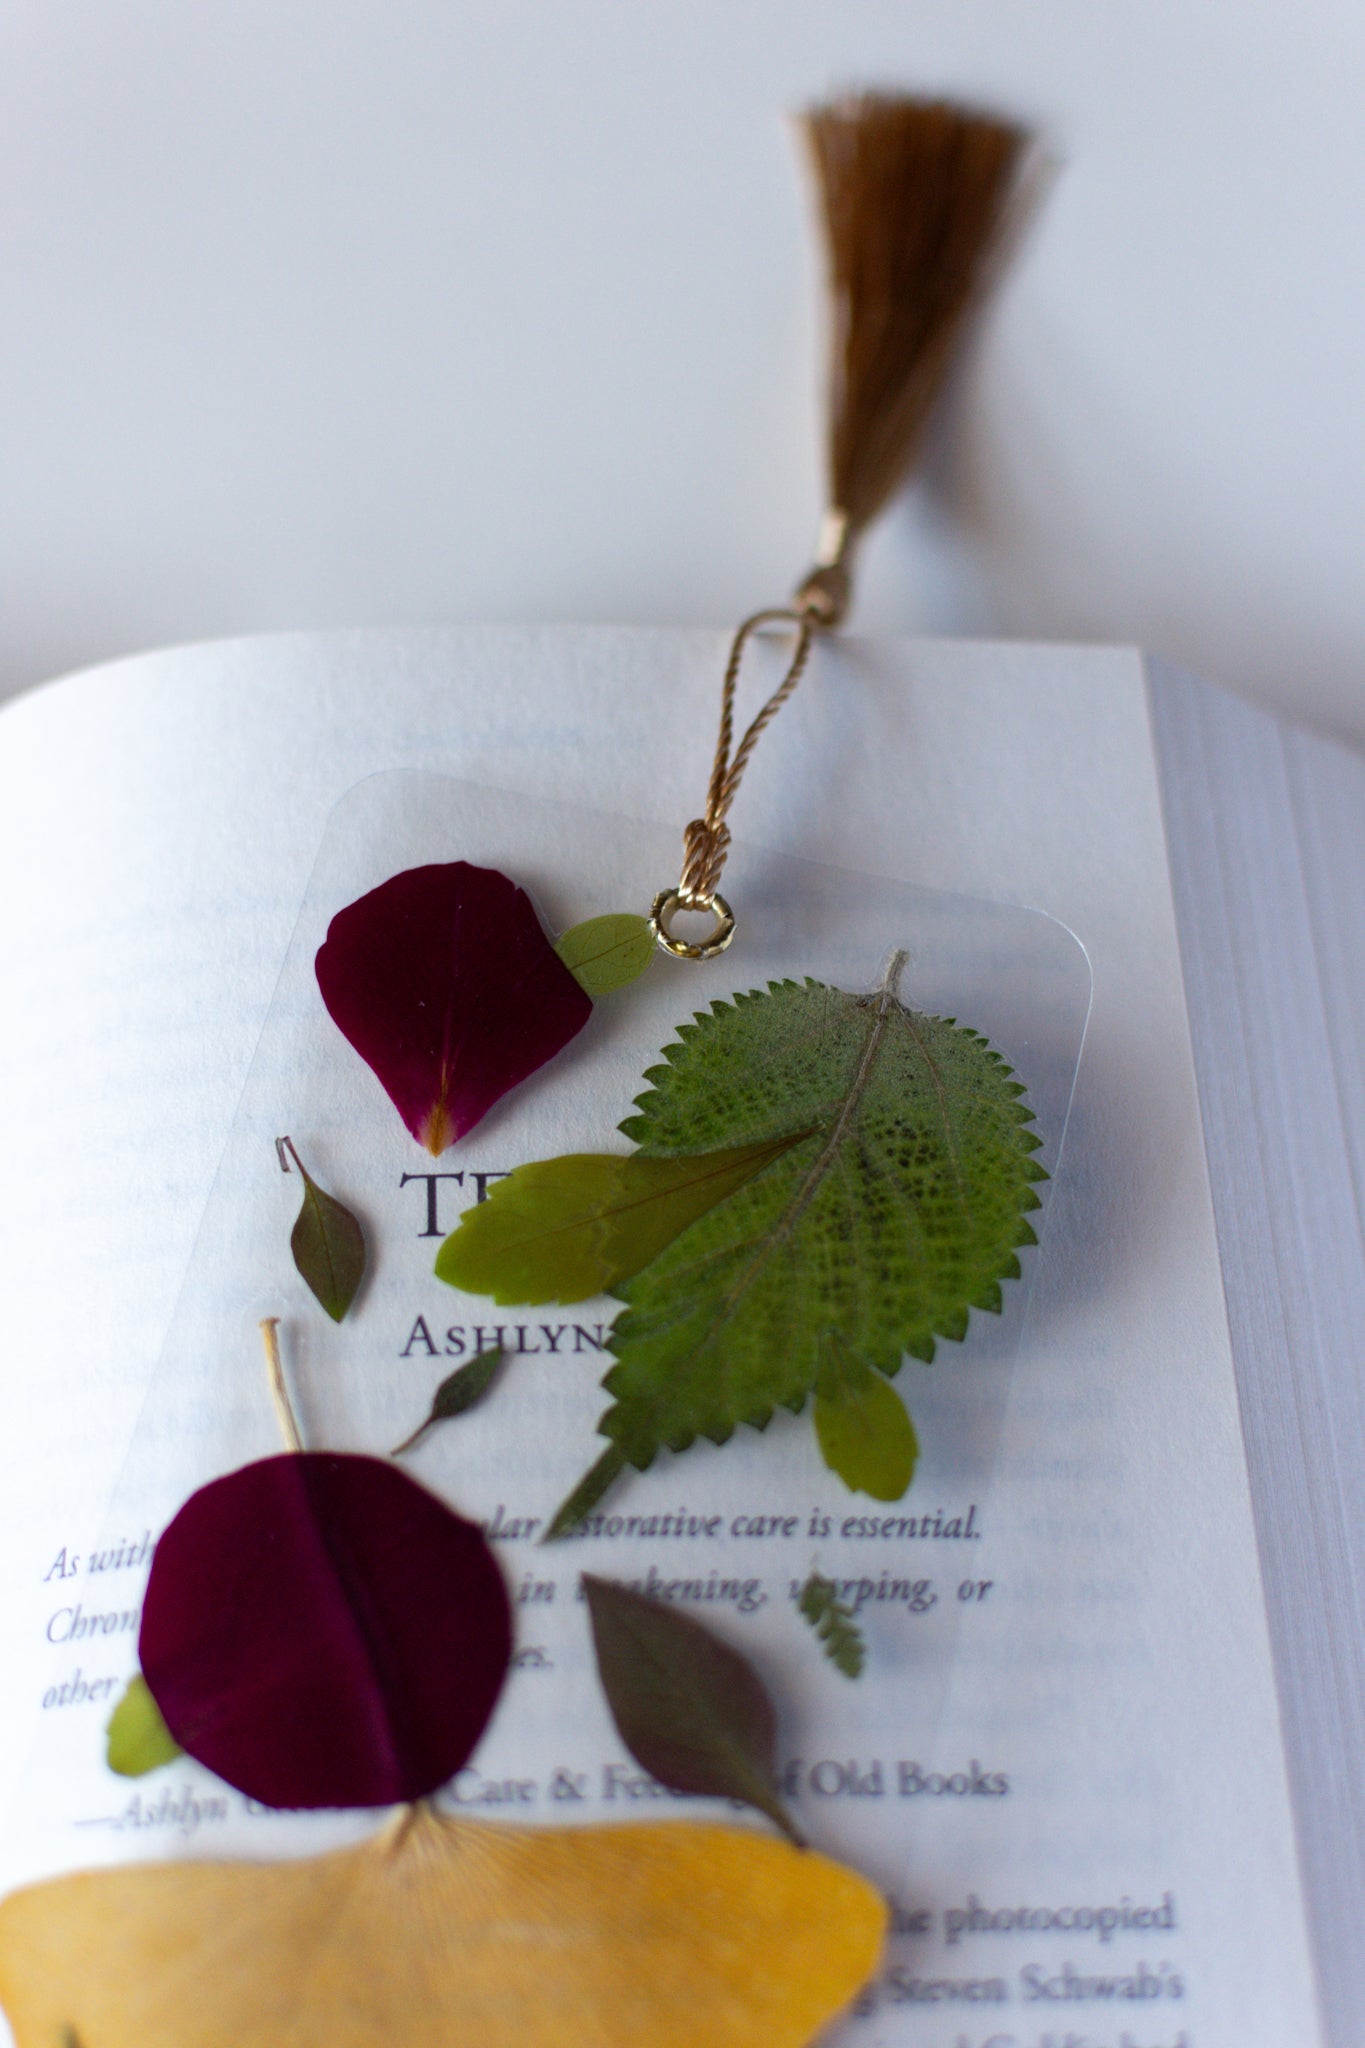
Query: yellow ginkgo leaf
x: 449, y: 1931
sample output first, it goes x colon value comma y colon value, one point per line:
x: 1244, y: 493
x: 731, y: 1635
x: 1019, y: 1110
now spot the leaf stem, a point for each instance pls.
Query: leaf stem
x: 587, y: 1493
x: 286, y: 1145
x: 410, y: 1443
x: 279, y: 1392
x: 402, y: 1822
x: 890, y: 983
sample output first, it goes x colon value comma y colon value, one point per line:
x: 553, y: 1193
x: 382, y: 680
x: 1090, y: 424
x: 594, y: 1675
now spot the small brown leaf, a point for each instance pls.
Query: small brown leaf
x: 327, y: 1242
x: 466, y: 1386
x: 691, y: 1711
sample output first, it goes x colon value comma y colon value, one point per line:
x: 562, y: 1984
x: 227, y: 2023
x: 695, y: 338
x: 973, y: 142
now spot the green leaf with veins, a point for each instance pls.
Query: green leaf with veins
x: 604, y: 953
x: 565, y: 1229
x: 897, y: 1208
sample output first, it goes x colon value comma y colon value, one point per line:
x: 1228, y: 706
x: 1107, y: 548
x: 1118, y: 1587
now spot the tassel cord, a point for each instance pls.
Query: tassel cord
x: 707, y: 839
x: 915, y: 197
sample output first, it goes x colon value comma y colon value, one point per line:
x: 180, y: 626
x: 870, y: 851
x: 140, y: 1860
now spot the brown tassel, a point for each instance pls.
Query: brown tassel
x: 915, y: 196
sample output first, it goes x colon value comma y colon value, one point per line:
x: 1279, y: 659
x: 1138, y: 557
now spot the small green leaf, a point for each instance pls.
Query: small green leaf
x: 466, y: 1386
x: 840, y: 1636
x: 864, y: 1432
x: 604, y: 953
x: 137, y: 1739
x: 564, y: 1229
x: 691, y: 1711
x: 327, y: 1242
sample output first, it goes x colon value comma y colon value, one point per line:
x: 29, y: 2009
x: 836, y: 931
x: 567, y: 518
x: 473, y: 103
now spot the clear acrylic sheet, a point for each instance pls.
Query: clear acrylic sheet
x: 1012, y: 973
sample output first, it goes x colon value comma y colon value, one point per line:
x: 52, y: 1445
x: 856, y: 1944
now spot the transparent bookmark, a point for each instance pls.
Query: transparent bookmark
x: 728, y: 1532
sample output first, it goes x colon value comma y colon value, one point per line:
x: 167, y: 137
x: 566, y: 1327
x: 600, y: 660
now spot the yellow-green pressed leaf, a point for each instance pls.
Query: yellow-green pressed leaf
x: 137, y: 1739
x: 565, y: 1229
x: 604, y: 953
x: 861, y: 1424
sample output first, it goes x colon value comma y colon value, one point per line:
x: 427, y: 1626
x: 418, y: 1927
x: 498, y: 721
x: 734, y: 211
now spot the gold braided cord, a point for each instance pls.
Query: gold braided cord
x: 917, y: 197
x: 706, y: 840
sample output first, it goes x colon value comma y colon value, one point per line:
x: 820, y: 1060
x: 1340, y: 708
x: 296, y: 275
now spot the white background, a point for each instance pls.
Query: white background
x: 319, y: 314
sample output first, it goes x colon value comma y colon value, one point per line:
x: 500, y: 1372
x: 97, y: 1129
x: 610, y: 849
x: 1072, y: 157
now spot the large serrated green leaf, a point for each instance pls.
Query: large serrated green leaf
x: 899, y: 1211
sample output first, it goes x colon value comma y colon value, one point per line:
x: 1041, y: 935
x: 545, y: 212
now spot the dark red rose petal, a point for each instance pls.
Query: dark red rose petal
x: 321, y: 1631
x: 444, y: 982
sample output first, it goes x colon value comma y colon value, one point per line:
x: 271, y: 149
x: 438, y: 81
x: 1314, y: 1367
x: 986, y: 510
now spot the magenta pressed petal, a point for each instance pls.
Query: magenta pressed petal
x: 444, y: 982
x: 321, y: 1631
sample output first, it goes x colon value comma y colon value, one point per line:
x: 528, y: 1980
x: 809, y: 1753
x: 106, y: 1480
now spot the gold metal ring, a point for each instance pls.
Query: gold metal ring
x: 669, y: 901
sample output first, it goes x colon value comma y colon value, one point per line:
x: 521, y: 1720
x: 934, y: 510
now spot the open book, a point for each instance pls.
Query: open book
x: 1102, y: 1757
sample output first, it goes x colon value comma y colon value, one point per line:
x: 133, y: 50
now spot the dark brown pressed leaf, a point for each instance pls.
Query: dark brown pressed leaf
x: 327, y: 1241
x: 465, y: 1386
x: 322, y: 1631
x: 691, y: 1711
x: 445, y: 984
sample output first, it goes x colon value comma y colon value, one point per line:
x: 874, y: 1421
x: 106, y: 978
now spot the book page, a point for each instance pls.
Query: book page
x: 1067, y: 1830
